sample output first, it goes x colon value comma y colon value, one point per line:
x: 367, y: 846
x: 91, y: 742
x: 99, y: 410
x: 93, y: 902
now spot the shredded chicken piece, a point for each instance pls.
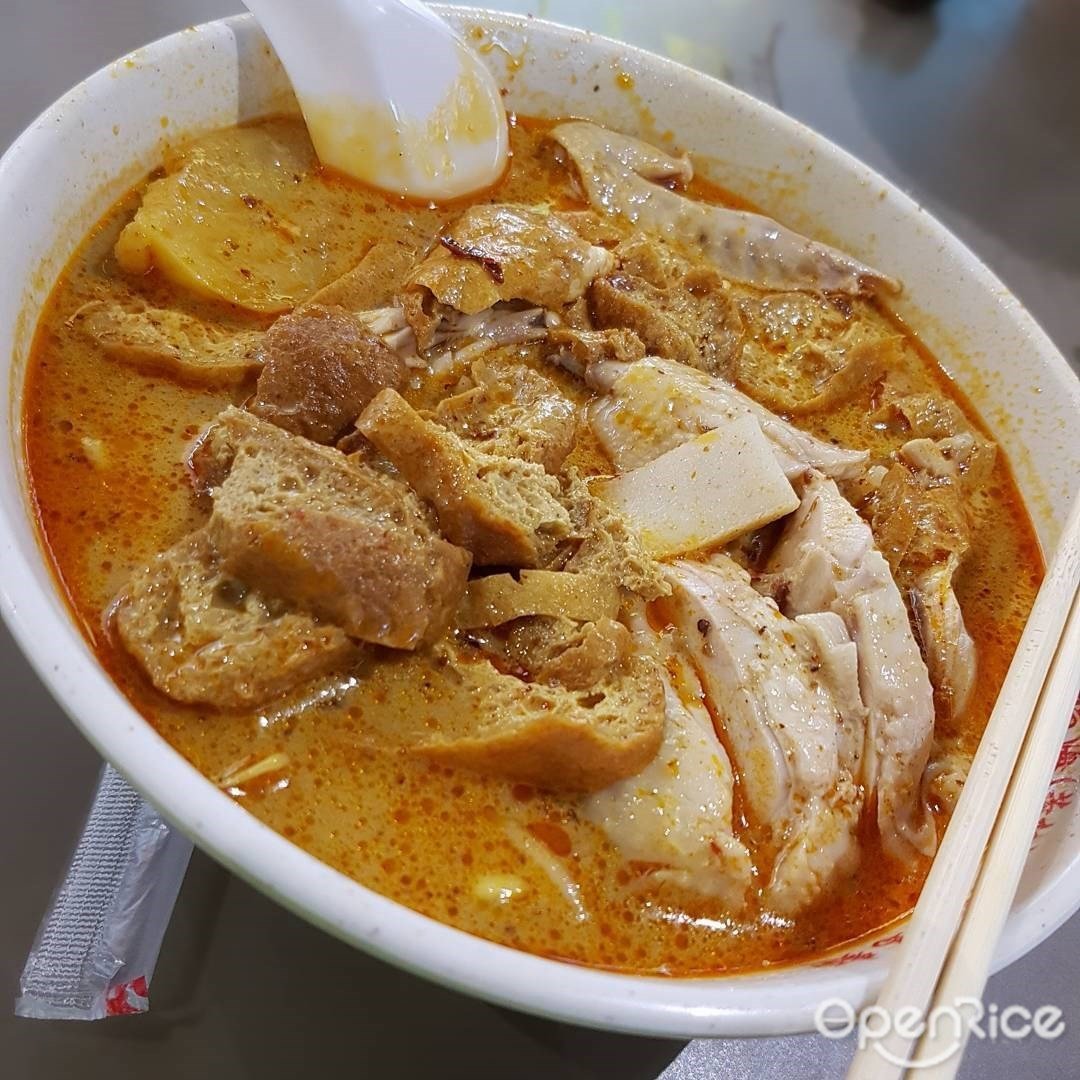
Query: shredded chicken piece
x: 655, y: 404
x: 553, y: 868
x: 922, y: 511
x: 782, y: 724
x: 390, y: 324
x: 448, y: 338
x: 827, y: 561
x: 675, y: 816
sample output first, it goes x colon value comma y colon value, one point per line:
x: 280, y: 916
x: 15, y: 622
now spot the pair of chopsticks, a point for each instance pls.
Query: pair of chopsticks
x: 950, y: 941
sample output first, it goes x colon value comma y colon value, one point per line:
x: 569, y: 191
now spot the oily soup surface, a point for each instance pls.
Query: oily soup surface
x: 106, y: 445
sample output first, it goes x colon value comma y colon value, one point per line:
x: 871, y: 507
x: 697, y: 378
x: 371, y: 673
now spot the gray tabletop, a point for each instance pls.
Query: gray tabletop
x: 973, y: 107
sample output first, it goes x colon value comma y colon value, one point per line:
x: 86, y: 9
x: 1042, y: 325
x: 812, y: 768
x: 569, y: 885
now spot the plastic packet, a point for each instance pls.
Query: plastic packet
x: 97, y: 945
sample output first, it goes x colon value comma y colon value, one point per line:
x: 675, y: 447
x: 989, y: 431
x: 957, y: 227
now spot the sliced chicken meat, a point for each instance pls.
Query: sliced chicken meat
x: 656, y: 404
x: 675, y: 815
x: 923, y: 516
x: 838, y: 658
x: 826, y: 561
x: 791, y: 744
x: 454, y: 337
x: 948, y: 648
x: 923, y: 511
x: 626, y: 177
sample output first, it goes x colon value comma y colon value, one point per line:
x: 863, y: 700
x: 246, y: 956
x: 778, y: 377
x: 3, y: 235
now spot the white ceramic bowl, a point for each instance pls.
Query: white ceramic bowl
x: 74, y: 161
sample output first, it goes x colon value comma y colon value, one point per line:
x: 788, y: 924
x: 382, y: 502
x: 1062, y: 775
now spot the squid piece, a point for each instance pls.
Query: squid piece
x: 623, y: 176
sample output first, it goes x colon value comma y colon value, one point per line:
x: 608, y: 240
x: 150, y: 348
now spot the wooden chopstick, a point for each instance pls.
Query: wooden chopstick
x: 917, y: 967
x: 968, y: 964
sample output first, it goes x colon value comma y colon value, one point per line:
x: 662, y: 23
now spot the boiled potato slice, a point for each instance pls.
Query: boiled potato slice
x: 228, y: 221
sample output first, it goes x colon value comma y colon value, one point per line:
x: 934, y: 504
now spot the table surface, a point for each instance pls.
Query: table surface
x: 971, y: 106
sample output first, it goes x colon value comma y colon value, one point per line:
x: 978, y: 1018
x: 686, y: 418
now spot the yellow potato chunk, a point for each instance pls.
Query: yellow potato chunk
x: 231, y: 220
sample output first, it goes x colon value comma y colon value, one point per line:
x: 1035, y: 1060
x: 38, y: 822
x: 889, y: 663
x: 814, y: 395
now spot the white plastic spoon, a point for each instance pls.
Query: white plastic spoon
x: 391, y: 95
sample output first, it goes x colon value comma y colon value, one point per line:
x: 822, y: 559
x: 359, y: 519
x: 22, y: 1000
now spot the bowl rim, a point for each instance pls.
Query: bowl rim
x: 641, y: 1004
